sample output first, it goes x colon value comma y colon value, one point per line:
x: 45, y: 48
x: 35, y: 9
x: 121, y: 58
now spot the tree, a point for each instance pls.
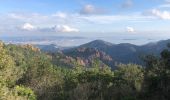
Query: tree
x: 9, y: 74
x: 127, y: 82
x: 133, y: 74
x: 157, y: 76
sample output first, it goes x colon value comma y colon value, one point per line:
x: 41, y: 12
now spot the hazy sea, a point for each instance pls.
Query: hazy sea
x: 67, y: 41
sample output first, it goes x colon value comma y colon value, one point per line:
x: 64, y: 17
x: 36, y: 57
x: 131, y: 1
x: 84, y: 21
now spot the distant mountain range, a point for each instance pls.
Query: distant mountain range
x: 109, y: 53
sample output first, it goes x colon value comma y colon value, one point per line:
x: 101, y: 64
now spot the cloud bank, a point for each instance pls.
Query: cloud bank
x: 86, y: 18
x: 160, y: 14
x: 28, y: 27
x: 130, y: 29
x: 65, y: 29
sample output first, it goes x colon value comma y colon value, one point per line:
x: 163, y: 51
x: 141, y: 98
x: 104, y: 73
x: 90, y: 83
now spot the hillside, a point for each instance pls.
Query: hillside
x: 27, y: 73
x: 124, y: 52
x: 86, y: 56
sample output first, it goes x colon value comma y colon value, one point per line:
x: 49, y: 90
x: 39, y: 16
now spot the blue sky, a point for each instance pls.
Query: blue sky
x: 51, y: 6
x: 85, y: 17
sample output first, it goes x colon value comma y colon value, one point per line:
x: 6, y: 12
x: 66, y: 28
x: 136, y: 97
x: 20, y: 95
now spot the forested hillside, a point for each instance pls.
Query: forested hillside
x: 109, y: 53
x: 26, y: 73
x: 123, y: 52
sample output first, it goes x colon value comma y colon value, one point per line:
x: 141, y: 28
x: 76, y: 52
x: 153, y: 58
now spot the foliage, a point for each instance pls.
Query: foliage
x: 25, y: 92
x: 9, y: 74
x: 157, y: 76
x: 132, y: 74
x: 29, y: 74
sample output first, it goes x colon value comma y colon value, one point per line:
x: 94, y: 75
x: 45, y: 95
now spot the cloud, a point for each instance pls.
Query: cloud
x: 108, y: 19
x: 167, y: 1
x: 27, y: 16
x: 54, y: 29
x: 63, y: 21
x: 159, y: 14
x: 60, y: 15
x: 90, y: 10
x: 64, y: 29
x: 130, y: 29
x: 164, y: 6
x: 28, y: 27
x: 127, y: 4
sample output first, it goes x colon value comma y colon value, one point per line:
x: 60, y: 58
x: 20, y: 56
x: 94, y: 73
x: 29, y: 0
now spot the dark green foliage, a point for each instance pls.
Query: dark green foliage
x: 28, y: 74
x: 157, y: 77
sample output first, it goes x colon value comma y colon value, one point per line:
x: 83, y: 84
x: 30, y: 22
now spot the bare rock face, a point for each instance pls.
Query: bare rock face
x: 81, y: 61
x: 86, y: 56
x: 31, y: 47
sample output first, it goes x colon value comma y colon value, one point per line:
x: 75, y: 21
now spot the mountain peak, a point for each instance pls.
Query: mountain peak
x: 102, y: 42
x: 97, y: 44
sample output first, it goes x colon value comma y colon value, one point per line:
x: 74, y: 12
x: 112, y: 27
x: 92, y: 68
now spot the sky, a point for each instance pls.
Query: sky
x: 88, y: 18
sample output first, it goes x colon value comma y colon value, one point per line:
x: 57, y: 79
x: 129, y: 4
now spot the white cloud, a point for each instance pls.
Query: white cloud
x: 27, y: 16
x: 90, y: 10
x: 16, y: 16
x: 130, y: 29
x: 45, y: 23
x: 60, y: 15
x: 65, y: 29
x: 160, y: 14
x: 55, y: 29
x: 107, y: 19
x: 28, y: 27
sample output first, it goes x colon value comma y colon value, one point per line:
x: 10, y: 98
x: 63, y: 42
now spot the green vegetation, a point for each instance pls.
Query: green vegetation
x: 28, y: 74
